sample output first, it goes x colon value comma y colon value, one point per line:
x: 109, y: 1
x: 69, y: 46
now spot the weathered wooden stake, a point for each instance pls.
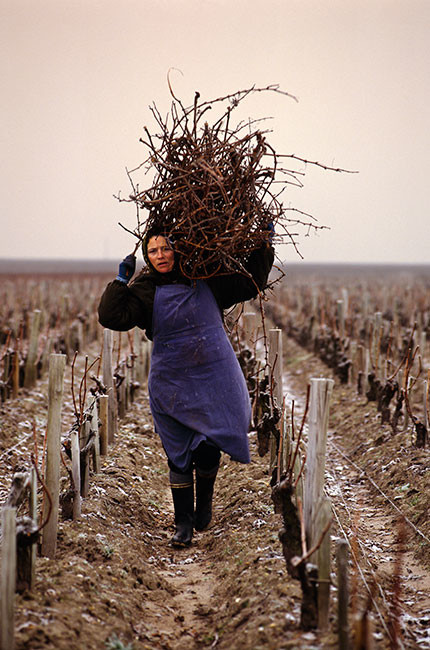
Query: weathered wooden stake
x: 323, y: 518
x: 249, y: 328
x: 76, y: 473
x: 342, y: 593
x: 95, y: 428
x: 376, y: 347
x: 108, y: 382
x: 30, y: 373
x: 319, y: 402
x: 423, y: 344
x: 85, y: 465
x: 103, y: 408
x: 345, y: 299
x: 275, y: 365
x: 122, y: 390
x: 15, y: 374
x: 352, y: 376
x: 8, y: 578
x: 33, y: 515
x: 360, y: 369
x: 148, y: 353
x: 49, y: 346
x: 340, y: 307
x: 409, y: 389
x: 57, y: 364
x: 138, y: 359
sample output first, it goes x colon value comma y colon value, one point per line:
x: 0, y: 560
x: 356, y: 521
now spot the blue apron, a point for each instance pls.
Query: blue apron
x: 197, y: 390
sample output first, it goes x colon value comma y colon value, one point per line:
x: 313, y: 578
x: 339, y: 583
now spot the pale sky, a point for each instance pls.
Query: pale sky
x: 79, y: 75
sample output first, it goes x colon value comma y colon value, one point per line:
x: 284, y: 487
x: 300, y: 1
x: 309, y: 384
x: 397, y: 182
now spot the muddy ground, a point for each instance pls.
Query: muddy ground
x: 116, y: 582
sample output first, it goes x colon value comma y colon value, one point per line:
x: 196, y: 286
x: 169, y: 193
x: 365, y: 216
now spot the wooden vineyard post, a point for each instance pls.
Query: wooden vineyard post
x: 131, y: 378
x: 8, y: 578
x: 49, y: 345
x: 95, y: 428
x: 104, y: 417
x: 275, y: 365
x: 323, y: 519
x: 249, y: 327
x: 57, y: 364
x: 84, y: 434
x: 26, y: 539
x: 423, y: 345
x: 408, y: 387
x: 366, y: 369
x: 140, y: 359
x: 4, y: 392
x: 76, y: 473
x: 340, y: 308
x: 376, y: 351
x: 343, y: 593
x: 148, y: 357
x: 345, y: 299
x: 360, y: 370
x: 122, y: 390
x: 108, y: 382
x: 146, y: 351
x: 317, y: 508
x: 128, y: 381
x: 33, y: 515
x: 319, y: 402
x: 30, y: 373
x: 352, y: 375
x: 15, y: 373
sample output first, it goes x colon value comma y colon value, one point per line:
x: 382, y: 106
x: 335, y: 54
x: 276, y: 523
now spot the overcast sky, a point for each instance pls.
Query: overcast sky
x: 79, y: 75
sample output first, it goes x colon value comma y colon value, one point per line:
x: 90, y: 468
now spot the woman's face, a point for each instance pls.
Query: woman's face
x: 160, y: 254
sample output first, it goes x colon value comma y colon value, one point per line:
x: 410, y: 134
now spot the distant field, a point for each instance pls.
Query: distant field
x: 53, y: 266
x: 292, y: 270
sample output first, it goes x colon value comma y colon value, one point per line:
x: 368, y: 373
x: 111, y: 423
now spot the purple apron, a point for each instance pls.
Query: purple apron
x: 197, y: 390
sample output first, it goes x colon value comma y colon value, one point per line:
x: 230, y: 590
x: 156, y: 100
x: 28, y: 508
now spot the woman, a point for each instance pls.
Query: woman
x: 198, y: 394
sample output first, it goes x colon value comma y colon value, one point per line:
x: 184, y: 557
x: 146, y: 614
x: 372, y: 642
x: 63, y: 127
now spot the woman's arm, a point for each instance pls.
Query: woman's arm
x: 232, y: 289
x: 123, y: 307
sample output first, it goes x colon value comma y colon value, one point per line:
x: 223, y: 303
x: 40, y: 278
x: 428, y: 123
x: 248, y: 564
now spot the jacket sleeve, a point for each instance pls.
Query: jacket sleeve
x: 123, y: 307
x: 232, y: 289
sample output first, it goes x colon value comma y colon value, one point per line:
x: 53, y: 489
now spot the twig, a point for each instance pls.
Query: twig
x: 46, y: 491
x: 295, y: 561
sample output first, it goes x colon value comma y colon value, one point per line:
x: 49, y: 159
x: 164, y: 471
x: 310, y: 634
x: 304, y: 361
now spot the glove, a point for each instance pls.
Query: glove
x: 126, y: 269
x: 271, y: 231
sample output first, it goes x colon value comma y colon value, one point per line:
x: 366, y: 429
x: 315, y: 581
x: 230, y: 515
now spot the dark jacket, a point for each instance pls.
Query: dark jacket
x: 123, y: 306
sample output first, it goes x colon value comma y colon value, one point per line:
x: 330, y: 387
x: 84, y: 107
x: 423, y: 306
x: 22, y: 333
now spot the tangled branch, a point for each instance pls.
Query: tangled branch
x: 214, y: 186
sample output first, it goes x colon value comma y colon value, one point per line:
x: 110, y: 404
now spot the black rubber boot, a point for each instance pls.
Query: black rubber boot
x: 205, y: 481
x: 183, y: 502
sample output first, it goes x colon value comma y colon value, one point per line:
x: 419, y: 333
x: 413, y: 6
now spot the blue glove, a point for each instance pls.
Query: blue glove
x: 126, y: 269
x: 271, y: 229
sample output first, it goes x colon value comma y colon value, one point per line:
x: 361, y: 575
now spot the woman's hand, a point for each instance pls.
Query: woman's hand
x: 271, y: 229
x: 126, y: 269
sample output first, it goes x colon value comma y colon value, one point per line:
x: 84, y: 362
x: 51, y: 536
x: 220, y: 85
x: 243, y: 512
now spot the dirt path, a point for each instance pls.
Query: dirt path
x: 116, y: 580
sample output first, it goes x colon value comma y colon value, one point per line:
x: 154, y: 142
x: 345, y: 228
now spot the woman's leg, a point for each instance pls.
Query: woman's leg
x: 206, y: 460
x: 181, y: 484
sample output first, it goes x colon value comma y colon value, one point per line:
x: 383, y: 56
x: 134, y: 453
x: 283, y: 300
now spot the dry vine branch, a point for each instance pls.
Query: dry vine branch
x: 213, y: 185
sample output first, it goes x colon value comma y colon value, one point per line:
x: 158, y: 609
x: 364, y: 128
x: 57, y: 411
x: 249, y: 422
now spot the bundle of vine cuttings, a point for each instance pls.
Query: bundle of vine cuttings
x: 212, y: 190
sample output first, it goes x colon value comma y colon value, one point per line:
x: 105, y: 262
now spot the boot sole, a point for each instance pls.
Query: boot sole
x: 180, y: 544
